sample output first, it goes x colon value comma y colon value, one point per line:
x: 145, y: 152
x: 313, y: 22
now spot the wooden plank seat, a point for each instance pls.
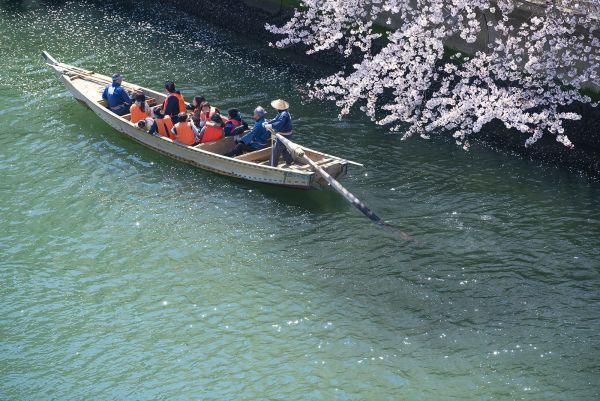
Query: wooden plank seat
x: 323, y: 163
x: 256, y: 156
x: 301, y: 166
x: 263, y: 156
x: 221, y: 146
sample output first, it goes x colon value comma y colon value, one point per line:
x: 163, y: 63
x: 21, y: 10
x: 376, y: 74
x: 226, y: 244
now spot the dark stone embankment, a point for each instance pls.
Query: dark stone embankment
x: 249, y: 21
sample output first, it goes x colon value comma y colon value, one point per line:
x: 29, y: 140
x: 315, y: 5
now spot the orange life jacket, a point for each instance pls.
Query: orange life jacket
x: 230, y: 130
x: 179, y: 97
x: 164, y: 125
x: 207, y: 116
x: 211, y: 133
x: 235, y: 123
x: 137, y: 114
x: 185, y: 134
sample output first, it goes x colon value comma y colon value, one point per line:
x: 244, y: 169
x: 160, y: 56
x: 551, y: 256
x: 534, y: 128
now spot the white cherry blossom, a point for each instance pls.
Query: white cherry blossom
x: 525, y: 78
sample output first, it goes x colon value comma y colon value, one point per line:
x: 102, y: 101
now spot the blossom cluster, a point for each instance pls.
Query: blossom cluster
x: 531, y: 69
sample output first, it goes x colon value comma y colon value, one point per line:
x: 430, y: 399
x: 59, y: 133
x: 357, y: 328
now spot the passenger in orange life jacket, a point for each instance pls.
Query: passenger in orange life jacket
x: 140, y: 111
x: 235, y: 125
x: 174, y: 103
x: 206, y: 112
x: 184, y: 131
x: 213, y: 129
x: 162, y: 124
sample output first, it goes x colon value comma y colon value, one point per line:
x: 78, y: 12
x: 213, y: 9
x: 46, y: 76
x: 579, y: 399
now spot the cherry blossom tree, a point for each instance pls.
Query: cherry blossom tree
x: 529, y: 72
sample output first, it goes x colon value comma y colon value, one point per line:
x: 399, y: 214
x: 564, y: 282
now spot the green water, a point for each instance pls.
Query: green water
x: 127, y: 275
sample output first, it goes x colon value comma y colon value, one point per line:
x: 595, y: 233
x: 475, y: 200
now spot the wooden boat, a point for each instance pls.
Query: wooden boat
x: 87, y: 87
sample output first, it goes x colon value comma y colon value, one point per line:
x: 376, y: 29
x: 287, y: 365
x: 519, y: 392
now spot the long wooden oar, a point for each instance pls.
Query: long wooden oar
x: 298, y: 152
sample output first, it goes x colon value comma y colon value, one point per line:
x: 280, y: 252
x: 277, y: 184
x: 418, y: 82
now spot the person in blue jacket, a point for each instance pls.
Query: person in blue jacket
x: 282, y: 124
x: 117, y: 98
x: 257, y: 138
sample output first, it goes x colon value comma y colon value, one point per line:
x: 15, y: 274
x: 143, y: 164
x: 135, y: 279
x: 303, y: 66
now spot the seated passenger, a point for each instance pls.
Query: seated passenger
x: 184, y: 131
x: 139, y: 109
x: 206, y: 112
x: 212, y: 130
x: 162, y: 124
x: 235, y: 125
x: 116, y: 97
x: 174, y: 102
x: 195, y: 109
x: 196, y: 104
x: 256, y: 139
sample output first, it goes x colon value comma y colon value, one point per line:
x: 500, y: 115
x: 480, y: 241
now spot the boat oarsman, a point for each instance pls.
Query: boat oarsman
x: 282, y: 124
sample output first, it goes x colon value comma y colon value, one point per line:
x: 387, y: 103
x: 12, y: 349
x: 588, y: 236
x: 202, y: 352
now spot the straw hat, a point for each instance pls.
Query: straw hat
x: 280, y: 104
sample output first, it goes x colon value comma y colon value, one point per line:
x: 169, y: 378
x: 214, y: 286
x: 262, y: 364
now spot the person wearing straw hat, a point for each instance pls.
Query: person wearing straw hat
x: 282, y: 124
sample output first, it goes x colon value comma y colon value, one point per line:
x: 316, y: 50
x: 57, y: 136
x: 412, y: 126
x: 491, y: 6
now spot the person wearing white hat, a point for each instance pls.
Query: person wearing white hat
x: 282, y: 124
x: 257, y: 138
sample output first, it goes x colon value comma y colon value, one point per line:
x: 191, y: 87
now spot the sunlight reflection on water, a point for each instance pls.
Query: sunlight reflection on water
x: 124, y: 272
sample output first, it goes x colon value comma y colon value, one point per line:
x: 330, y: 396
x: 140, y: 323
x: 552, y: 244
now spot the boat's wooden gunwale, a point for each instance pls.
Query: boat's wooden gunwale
x: 191, y: 155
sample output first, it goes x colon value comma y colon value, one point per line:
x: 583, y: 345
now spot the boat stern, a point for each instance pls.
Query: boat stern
x: 336, y: 170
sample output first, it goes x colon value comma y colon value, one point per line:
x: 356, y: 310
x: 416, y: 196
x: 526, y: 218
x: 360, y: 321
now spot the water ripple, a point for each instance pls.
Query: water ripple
x: 125, y: 274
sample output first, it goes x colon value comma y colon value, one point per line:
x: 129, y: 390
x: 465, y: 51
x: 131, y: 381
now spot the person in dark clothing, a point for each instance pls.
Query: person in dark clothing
x: 174, y: 103
x: 156, y: 113
x: 162, y: 124
x: 116, y: 97
x: 256, y: 139
x: 282, y: 124
x: 235, y: 125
